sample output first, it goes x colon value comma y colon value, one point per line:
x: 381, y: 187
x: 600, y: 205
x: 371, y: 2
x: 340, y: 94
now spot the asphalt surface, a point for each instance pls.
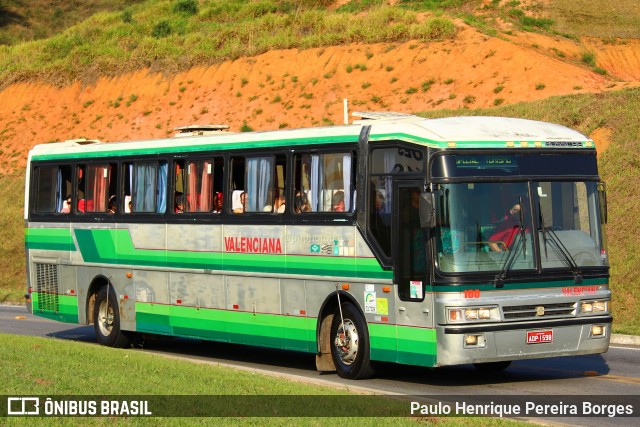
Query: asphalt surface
x: 613, y: 376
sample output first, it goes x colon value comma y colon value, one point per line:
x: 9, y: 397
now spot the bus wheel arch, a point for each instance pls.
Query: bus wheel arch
x: 97, y: 283
x: 106, y: 318
x: 351, y: 359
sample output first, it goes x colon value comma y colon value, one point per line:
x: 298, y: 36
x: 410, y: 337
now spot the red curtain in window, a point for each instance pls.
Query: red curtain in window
x: 192, y: 191
x: 97, y: 186
x: 206, y: 187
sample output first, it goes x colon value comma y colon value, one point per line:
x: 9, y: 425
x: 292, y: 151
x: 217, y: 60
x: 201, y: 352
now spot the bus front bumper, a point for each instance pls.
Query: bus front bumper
x: 462, y: 344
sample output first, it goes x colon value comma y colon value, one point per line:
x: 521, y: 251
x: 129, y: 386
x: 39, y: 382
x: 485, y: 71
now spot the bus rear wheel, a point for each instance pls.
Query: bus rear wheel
x: 350, y: 344
x: 106, y: 320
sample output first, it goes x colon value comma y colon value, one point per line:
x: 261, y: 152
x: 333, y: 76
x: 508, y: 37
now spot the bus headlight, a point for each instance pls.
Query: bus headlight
x: 472, y: 314
x: 594, y: 307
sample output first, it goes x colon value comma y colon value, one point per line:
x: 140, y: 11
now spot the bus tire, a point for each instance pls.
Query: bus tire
x: 350, y: 348
x: 106, y: 320
x: 492, y: 367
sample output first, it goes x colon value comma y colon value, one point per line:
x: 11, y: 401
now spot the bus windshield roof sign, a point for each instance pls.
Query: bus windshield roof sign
x: 486, y: 162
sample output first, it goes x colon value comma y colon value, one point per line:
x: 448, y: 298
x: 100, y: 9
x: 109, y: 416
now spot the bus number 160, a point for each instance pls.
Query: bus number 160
x: 472, y: 293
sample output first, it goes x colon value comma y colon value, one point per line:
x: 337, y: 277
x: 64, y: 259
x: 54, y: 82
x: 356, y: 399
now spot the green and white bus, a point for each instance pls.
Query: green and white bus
x: 396, y: 238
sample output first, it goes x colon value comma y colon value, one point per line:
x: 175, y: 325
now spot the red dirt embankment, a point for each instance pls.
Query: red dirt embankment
x: 292, y: 88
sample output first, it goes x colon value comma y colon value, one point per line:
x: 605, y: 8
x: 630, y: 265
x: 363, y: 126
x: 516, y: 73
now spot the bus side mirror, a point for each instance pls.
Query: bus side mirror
x: 602, y: 196
x: 427, y: 211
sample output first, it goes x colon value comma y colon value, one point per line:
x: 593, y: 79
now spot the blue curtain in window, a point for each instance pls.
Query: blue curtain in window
x: 59, y: 195
x: 316, y: 182
x: 264, y: 184
x: 252, y: 185
x: 138, y: 188
x: 346, y: 181
x: 259, y: 183
x: 162, y: 188
x: 144, y: 192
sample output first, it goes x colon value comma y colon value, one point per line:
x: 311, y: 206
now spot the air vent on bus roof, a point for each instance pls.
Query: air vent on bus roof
x: 82, y: 141
x: 367, y: 116
x: 195, y: 130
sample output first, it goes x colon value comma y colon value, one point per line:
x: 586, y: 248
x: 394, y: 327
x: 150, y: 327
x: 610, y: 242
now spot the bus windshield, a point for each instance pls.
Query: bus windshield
x: 480, y: 224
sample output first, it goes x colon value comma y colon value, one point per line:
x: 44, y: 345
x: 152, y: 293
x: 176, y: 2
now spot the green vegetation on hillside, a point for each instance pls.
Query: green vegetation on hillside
x: 60, y: 42
x: 175, y: 35
x: 619, y: 168
x: 27, y: 20
x: 597, y: 18
x: 12, y: 262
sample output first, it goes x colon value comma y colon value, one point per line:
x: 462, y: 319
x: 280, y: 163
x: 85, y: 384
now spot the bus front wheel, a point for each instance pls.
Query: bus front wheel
x: 106, y: 320
x: 350, y: 344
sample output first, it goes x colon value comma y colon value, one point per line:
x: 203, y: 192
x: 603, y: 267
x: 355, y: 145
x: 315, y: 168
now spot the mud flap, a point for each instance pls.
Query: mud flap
x: 324, y: 361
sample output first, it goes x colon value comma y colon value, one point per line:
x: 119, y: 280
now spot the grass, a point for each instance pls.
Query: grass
x: 86, y: 40
x: 155, y: 36
x: 50, y: 367
x: 12, y: 262
x: 41, y: 19
x: 619, y: 168
x: 596, y: 18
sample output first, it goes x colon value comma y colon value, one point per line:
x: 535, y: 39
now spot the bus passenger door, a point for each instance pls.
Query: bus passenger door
x: 416, y: 336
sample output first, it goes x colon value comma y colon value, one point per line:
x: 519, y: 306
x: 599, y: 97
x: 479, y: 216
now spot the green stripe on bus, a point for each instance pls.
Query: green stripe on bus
x: 116, y: 247
x: 403, y: 344
x: 67, y: 307
x: 222, y: 143
x: 184, y: 147
x: 54, y: 239
x: 391, y: 343
x: 269, y: 330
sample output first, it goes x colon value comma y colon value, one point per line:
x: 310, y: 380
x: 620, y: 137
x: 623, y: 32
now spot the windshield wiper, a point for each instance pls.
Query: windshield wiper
x: 521, y: 241
x: 553, y: 238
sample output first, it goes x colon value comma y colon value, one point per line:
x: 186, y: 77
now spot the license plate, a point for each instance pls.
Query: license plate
x: 537, y: 337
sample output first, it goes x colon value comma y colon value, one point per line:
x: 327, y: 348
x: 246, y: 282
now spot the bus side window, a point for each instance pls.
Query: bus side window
x: 53, y: 189
x: 279, y: 198
x: 236, y: 204
x: 380, y: 212
x: 80, y: 184
x: 147, y: 186
x: 324, y: 183
x: 198, y: 185
x: 396, y: 160
x: 100, y: 185
x: 259, y: 184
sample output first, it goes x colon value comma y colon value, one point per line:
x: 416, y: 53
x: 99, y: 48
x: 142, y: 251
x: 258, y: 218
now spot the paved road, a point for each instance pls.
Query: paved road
x: 612, y: 374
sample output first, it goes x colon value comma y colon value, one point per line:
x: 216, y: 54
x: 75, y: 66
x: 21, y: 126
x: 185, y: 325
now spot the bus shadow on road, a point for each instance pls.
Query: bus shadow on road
x: 81, y: 333
x: 553, y: 368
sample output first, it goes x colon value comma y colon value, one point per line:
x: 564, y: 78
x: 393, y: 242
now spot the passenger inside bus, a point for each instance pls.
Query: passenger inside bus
x: 218, y: 200
x: 66, y: 205
x: 505, y: 232
x: 113, y: 205
x: 179, y: 204
x: 238, y: 199
x: 278, y: 202
x: 301, y: 202
x: 337, y: 203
